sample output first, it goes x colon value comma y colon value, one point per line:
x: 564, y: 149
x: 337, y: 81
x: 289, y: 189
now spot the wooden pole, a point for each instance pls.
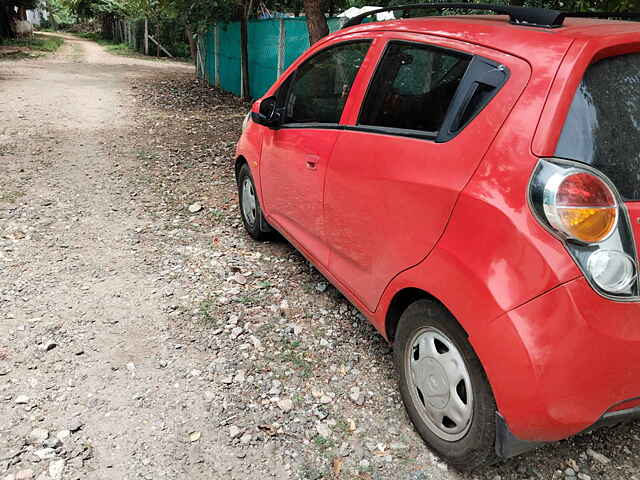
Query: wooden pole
x: 160, y: 47
x: 155, y: 41
x: 192, y: 44
x: 146, y: 36
x: 201, y: 70
x: 216, y: 56
x: 281, y: 44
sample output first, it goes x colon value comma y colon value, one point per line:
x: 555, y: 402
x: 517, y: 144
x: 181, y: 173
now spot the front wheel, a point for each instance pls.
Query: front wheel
x: 250, y: 210
x: 444, y: 387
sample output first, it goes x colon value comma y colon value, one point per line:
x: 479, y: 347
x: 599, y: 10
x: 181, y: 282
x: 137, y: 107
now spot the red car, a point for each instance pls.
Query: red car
x: 471, y: 185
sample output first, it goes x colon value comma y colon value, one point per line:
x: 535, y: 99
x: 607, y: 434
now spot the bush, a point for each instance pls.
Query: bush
x: 42, y: 43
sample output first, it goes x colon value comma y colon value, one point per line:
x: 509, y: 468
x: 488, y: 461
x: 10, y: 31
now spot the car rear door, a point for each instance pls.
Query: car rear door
x: 428, y: 114
x: 295, y: 156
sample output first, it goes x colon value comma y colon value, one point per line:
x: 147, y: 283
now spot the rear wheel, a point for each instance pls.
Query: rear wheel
x: 444, y: 387
x: 250, y: 210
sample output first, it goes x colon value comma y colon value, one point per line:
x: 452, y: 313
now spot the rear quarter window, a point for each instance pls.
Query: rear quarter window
x: 602, y: 128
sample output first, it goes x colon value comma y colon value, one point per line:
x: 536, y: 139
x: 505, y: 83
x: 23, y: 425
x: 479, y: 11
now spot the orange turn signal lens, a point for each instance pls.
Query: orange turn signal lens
x: 589, y: 225
x: 582, y: 207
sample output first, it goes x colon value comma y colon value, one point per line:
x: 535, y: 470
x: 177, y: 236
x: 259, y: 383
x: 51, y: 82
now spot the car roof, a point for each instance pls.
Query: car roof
x: 495, y: 31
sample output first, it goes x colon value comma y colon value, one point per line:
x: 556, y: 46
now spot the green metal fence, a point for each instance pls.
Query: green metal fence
x: 273, y: 45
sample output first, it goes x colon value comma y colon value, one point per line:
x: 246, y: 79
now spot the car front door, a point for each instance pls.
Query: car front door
x: 428, y: 115
x: 295, y: 156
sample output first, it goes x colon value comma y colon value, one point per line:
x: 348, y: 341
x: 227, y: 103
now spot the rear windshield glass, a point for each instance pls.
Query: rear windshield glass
x: 603, y: 125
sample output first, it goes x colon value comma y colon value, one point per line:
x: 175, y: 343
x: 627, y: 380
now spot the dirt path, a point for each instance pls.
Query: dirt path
x: 83, y: 331
x: 139, y: 339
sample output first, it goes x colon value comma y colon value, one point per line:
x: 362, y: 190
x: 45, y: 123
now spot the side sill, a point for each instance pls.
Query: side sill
x: 615, y: 418
x: 508, y: 445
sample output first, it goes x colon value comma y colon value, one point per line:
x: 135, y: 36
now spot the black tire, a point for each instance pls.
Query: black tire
x: 426, y: 320
x: 255, y: 224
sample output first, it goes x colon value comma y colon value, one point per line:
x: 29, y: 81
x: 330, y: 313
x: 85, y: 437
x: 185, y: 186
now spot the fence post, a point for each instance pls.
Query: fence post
x: 203, y: 58
x: 281, y: 46
x: 216, y: 57
x: 146, y: 36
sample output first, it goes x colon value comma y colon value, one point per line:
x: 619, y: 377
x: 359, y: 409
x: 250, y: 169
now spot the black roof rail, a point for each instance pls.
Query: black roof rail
x: 528, y: 16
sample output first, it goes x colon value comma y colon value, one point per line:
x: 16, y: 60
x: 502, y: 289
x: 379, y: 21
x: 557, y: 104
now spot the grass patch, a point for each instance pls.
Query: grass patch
x: 296, y: 358
x: 116, y: 48
x: 10, y: 197
x: 119, y: 49
x: 217, y: 216
x: 110, y: 45
x: 96, y: 37
x: 208, y: 312
x: 323, y: 443
x: 40, y: 43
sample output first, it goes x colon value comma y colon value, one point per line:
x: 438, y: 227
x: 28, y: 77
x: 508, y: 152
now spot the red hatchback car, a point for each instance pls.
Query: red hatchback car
x: 471, y: 185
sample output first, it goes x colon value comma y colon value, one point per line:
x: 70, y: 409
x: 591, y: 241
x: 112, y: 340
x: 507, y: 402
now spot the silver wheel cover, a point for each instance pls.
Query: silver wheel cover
x: 249, y: 202
x: 439, y: 384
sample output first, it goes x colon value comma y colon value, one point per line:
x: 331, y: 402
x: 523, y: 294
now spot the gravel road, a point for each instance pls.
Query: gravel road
x: 143, y: 334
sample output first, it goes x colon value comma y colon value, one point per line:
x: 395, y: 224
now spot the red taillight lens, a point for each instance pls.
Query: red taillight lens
x: 584, y: 190
x: 582, y: 206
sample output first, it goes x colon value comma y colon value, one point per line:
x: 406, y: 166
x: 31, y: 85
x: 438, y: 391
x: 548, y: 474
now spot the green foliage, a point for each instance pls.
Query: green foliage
x: 23, y: 3
x: 201, y: 13
x: 59, y: 14
x: 41, y: 43
x: 97, y: 8
x: 565, y: 5
x: 120, y: 49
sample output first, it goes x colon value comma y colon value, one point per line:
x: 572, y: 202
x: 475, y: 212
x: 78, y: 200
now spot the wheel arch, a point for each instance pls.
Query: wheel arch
x: 401, y: 301
x: 240, y: 160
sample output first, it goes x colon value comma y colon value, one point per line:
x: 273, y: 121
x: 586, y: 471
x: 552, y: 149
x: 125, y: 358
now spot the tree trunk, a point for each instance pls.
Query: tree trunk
x: 7, y: 17
x: 316, y: 21
x: 244, y: 52
x: 192, y: 44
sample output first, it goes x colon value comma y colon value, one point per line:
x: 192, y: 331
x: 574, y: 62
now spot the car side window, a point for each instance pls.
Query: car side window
x: 317, y: 91
x: 413, y: 87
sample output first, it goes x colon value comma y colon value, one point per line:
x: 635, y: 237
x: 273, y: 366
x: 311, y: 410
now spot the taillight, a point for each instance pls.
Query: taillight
x: 582, y: 207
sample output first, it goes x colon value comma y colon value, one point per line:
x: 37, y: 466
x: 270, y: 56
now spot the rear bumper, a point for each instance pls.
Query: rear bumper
x: 561, y: 363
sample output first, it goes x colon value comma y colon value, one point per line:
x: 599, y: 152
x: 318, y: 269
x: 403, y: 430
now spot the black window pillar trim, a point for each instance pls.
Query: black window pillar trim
x: 480, y: 71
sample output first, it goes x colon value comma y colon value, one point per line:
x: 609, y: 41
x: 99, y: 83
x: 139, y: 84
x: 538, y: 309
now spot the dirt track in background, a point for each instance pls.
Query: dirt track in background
x: 139, y: 339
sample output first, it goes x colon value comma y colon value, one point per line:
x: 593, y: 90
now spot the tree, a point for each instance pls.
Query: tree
x: 316, y: 21
x: 9, y: 13
x: 58, y: 13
